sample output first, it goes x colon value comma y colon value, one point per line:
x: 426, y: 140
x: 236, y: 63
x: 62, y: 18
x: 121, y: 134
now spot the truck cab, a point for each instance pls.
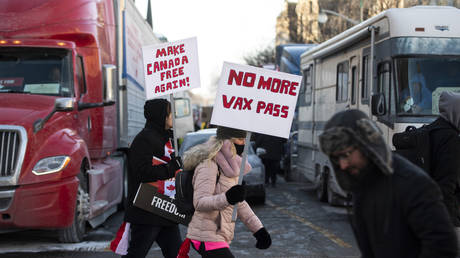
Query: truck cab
x: 60, y: 161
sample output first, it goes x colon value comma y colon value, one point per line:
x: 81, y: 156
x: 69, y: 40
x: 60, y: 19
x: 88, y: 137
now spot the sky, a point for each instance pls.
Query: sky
x: 226, y: 30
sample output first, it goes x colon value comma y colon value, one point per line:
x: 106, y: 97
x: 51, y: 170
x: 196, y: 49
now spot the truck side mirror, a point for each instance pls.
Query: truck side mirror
x: 63, y: 104
x: 378, y: 104
x: 110, y: 79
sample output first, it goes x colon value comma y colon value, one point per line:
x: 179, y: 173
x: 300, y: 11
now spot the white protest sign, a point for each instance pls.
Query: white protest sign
x: 256, y: 99
x: 171, y: 67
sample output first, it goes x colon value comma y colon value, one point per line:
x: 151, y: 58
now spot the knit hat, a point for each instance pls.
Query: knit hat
x: 227, y: 133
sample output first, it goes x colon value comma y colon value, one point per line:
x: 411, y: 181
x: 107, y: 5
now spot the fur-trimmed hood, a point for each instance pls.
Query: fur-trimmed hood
x: 220, y: 151
x: 353, y: 127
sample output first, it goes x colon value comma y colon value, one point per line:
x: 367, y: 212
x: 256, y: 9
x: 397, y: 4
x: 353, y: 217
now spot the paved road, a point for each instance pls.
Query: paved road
x: 300, y: 226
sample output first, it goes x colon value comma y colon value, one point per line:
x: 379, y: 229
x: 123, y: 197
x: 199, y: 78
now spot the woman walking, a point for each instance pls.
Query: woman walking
x: 216, y: 191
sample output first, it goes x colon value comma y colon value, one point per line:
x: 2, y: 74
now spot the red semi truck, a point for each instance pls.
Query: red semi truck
x: 71, y: 100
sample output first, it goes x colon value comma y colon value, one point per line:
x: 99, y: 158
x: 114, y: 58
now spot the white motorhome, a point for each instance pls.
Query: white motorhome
x: 392, y: 66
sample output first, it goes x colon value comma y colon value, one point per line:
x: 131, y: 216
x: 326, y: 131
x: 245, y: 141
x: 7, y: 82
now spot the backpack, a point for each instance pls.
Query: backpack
x: 184, y: 191
x: 414, y: 144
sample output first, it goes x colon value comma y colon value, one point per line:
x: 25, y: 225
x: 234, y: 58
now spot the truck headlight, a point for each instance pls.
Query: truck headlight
x: 50, y: 165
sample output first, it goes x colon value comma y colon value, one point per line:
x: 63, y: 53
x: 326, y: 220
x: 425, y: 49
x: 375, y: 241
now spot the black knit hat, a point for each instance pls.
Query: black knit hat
x: 227, y: 133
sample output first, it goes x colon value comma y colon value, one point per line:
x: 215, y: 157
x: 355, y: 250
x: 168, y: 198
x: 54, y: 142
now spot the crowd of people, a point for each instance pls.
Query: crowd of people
x: 398, y: 210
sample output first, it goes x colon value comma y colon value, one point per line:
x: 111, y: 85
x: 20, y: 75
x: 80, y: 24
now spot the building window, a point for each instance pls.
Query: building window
x: 341, y: 93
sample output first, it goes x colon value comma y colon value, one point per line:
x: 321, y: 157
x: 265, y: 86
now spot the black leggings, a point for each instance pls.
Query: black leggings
x: 216, y: 253
x: 143, y: 236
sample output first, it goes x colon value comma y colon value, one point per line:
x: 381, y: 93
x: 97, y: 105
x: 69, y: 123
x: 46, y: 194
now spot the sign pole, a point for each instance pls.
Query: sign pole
x: 243, y: 165
x: 173, y: 111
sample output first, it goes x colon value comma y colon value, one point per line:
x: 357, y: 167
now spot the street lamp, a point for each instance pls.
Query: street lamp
x: 322, y: 16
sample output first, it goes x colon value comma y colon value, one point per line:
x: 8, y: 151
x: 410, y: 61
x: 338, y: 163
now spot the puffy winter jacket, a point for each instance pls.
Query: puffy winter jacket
x: 212, y: 220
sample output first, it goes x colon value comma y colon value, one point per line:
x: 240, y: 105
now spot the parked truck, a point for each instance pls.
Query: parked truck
x: 288, y: 61
x: 71, y: 101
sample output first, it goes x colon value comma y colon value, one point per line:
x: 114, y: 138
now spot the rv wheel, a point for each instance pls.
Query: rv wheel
x: 332, y: 197
x: 321, y: 190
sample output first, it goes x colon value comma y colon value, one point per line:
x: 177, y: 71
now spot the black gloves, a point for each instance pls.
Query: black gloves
x: 236, y: 194
x: 174, y: 165
x: 263, y: 239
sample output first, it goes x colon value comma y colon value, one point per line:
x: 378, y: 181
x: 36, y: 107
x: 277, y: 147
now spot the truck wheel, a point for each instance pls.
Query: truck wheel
x: 76, y: 231
x: 321, y: 190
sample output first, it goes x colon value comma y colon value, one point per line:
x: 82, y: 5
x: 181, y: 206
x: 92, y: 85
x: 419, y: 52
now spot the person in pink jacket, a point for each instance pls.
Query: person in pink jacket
x: 216, y: 191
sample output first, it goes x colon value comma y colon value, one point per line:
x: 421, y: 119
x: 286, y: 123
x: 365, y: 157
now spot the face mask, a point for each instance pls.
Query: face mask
x: 239, y: 149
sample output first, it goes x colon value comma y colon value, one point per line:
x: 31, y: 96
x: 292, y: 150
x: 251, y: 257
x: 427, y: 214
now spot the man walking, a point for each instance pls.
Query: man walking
x: 397, y: 209
x: 445, y: 151
x: 274, y: 147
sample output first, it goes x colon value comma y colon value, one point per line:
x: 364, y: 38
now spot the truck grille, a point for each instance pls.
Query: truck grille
x: 9, y: 152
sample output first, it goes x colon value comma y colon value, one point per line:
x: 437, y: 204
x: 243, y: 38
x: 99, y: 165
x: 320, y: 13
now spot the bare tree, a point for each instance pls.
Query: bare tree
x: 261, y: 57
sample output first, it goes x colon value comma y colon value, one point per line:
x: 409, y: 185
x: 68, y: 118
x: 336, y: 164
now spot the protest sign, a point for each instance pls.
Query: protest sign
x: 148, y: 198
x: 256, y: 99
x: 171, y: 67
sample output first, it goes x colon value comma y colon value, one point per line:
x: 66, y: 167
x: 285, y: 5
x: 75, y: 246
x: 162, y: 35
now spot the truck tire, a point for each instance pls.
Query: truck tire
x: 76, y: 231
x: 321, y: 190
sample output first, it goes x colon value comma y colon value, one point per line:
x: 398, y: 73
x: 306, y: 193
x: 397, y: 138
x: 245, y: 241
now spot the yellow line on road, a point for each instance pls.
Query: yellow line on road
x: 324, y: 232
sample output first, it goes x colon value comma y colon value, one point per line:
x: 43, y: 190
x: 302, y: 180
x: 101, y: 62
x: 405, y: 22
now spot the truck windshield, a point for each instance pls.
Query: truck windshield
x: 420, y: 81
x: 42, y: 71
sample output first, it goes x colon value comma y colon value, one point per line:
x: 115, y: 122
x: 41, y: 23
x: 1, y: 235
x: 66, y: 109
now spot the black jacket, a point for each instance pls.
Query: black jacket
x: 402, y: 215
x: 148, y: 143
x: 445, y: 164
x: 272, y: 144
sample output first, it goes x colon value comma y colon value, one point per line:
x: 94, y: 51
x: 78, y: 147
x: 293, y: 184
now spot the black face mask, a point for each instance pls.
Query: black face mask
x: 239, y: 149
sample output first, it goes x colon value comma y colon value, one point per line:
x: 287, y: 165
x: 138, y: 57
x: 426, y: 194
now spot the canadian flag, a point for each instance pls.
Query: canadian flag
x: 119, y: 244
x: 166, y: 187
x: 170, y: 188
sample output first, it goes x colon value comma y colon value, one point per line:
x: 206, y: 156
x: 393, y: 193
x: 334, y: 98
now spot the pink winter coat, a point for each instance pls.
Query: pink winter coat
x: 212, y: 220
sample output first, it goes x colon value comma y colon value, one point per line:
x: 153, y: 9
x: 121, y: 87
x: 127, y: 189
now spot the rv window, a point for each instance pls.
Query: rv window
x: 354, y: 84
x: 307, y: 86
x: 365, y: 81
x: 342, y: 82
x: 383, y: 81
x: 420, y: 81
